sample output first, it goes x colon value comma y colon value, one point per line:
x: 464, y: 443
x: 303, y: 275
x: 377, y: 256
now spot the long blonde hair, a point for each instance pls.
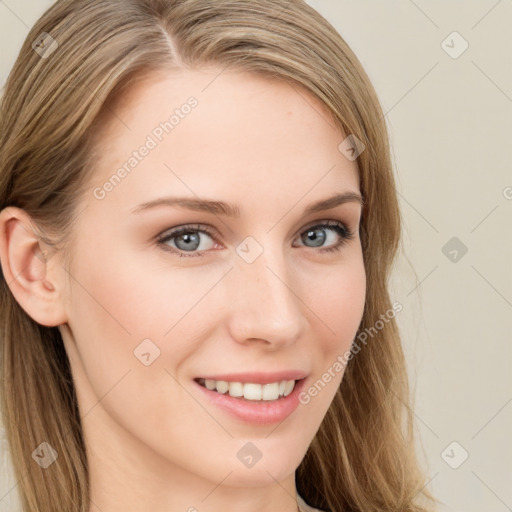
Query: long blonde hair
x: 363, y: 456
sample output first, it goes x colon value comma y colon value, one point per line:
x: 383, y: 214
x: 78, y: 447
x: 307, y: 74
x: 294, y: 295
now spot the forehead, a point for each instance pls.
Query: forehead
x: 212, y: 132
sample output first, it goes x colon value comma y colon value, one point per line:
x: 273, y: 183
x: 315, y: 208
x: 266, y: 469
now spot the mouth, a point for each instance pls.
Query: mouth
x: 250, y: 391
x: 269, y: 401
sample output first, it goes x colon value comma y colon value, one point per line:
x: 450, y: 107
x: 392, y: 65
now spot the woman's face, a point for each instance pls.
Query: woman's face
x: 253, y: 290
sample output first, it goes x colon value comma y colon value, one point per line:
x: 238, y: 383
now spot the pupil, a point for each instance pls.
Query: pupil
x: 189, y: 239
x: 318, y: 240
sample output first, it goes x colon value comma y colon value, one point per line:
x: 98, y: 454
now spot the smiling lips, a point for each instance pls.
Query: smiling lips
x: 250, y: 390
x: 256, y: 398
x: 253, y: 385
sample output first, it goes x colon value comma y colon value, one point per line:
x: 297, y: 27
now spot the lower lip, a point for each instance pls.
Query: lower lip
x: 260, y: 412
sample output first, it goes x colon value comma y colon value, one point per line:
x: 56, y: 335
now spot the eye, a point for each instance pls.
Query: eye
x: 189, y: 239
x: 317, y: 235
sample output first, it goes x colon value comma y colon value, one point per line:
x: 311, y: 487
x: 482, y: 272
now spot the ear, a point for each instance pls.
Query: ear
x: 35, y: 285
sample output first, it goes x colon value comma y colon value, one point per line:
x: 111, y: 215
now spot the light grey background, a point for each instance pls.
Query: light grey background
x: 450, y: 121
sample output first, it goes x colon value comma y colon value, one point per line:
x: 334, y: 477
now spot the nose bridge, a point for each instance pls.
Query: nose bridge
x: 266, y: 308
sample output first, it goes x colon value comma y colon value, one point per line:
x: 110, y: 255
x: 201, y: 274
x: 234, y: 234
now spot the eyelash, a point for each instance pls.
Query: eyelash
x: 345, y: 234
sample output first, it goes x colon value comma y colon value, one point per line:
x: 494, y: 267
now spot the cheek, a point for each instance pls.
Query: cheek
x: 128, y: 306
x: 339, y: 303
x: 338, y: 299
x: 123, y: 315
x: 133, y: 295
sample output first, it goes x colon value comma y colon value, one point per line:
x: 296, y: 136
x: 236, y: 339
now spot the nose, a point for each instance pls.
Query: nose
x: 266, y: 306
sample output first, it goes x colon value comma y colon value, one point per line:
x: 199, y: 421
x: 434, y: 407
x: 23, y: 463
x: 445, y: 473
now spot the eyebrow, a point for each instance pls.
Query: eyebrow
x: 222, y: 208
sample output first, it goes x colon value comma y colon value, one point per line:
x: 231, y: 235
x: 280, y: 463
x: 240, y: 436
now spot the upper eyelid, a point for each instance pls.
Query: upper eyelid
x: 326, y: 221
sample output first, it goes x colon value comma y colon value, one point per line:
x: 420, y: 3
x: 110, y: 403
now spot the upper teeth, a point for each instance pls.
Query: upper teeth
x: 249, y: 390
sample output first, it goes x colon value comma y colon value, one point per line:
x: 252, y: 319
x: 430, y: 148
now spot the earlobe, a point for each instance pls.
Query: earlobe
x: 25, y: 267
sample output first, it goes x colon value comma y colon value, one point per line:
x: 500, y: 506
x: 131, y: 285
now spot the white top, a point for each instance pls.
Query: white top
x: 304, y: 507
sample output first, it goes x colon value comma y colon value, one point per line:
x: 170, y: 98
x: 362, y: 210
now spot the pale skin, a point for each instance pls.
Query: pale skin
x: 153, y: 441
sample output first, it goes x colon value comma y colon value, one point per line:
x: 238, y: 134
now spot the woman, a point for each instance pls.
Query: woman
x: 198, y: 223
